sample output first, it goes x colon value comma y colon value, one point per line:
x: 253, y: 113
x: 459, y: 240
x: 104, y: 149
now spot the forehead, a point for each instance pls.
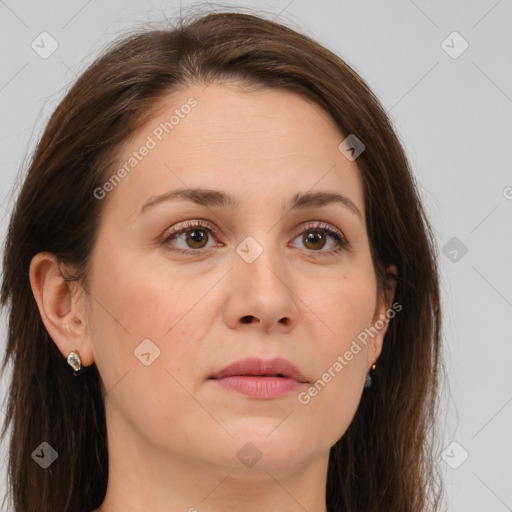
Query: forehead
x: 253, y: 144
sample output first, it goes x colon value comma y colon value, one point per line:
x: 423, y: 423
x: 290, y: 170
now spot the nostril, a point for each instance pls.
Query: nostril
x: 247, y: 319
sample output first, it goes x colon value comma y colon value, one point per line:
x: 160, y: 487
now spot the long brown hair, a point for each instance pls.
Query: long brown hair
x: 386, y: 461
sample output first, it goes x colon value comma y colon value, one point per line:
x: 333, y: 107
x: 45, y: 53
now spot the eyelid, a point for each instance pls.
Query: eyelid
x: 189, y: 224
x: 320, y: 225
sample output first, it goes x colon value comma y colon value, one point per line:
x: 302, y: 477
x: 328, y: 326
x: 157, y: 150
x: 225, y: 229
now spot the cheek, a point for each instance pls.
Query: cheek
x: 346, y: 306
x: 347, y: 309
x: 138, y: 317
x: 140, y: 302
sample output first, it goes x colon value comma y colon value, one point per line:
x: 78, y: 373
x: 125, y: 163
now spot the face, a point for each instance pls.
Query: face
x: 182, y: 286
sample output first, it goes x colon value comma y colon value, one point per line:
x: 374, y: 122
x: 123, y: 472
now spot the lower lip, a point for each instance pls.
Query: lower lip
x: 259, y: 387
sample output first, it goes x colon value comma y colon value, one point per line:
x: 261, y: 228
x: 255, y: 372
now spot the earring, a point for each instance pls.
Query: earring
x: 75, y: 361
x: 368, y: 380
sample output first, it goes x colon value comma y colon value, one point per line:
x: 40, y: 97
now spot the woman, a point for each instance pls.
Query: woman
x: 222, y: 286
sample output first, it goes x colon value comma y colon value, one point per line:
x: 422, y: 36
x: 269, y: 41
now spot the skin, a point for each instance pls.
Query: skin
x: 173, y: 434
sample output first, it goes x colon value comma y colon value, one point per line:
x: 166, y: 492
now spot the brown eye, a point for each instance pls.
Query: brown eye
x: 191, y: 238
x: 314, y: 240
x: 196, y: 238
x: 196, y: 235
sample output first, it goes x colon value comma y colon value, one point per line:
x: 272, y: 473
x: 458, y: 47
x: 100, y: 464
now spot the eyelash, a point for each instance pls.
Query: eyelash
x: 210, y: 228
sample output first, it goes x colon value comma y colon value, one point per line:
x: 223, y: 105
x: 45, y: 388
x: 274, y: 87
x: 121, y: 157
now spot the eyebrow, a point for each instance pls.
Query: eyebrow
x: 208, y: 197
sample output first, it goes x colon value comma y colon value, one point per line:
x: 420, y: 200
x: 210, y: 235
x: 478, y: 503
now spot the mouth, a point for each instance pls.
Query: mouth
x: 258, y: 378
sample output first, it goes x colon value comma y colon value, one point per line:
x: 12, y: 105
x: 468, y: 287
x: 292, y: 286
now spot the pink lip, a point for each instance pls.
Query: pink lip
x: 258, y: 378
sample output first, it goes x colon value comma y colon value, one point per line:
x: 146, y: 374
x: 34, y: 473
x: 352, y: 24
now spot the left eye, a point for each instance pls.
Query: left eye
x: 196, y: 235
x: 315, y: 237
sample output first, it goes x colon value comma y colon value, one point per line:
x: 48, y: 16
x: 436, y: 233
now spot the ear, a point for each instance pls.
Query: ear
x: 62, y: 310
x: 381, y: 317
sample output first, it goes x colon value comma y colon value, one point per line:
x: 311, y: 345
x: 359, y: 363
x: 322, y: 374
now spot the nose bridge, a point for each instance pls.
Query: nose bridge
x: 261, y: 289
x: 261, y: 260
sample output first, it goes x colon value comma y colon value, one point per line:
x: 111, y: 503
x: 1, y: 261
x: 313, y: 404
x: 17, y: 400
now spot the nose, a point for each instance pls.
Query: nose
x: 260, y: 294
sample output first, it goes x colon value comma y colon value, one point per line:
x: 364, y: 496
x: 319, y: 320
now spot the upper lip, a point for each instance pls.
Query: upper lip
x: 256, y: 366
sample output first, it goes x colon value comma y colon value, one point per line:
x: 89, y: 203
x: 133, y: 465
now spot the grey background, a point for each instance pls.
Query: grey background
x: 454, y: 117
